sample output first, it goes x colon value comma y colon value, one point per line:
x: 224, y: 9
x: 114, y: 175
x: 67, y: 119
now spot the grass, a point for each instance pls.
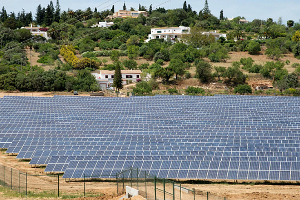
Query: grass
x: 8, y: 193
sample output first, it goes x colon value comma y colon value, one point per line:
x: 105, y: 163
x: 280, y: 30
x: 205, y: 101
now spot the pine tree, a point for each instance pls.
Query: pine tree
x: 113, y: 9
x: 150, y: 9
x: 57, y: 12
x: 118, y: 77
x: 189, y: 9
x: 124, y: 6
x: 206, y: 11
x: 184, y: 6
x: 48, y: 16
x: 39, y: 15
x: 3, y: 15
x: 221, y: 15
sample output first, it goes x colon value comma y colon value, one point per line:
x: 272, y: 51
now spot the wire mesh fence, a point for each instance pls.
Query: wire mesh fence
x: 153, y: 188
x: 54, y: 185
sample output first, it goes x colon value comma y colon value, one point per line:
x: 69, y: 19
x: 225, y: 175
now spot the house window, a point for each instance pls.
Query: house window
x: 175, y: 36
x: 106, y: 76
x: 112, y: 76
x: 157, y: 37
x: 137, y: 76
x: 128, y: 76
x: 158, y: 31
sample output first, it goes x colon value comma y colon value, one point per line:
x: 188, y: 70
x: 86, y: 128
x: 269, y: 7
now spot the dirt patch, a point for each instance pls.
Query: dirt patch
x: 33, y: 57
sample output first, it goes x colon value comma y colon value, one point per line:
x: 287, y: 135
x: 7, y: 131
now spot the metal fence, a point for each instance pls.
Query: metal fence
x: 54, y: 185
x: 153, y: 188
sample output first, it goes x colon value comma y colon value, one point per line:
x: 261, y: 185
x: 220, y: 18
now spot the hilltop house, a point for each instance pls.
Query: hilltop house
x: 103, y: 24
x: 38, y: 31
x: 168, y: 33
x: 105, y: 78
x: 127, y: 13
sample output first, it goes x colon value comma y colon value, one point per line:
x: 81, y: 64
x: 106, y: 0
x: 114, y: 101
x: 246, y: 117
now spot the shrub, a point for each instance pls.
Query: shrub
x: 172, y: 91
x: 194, y: 90
x: 144, y: 66
x: 142, y: 88
x: 253, y: 48
x: 294, y: 65
x: 153, y: 84
x: 187, y: 75
x: 130, y: 64
x: 243, y: 89
x: 160, y: 62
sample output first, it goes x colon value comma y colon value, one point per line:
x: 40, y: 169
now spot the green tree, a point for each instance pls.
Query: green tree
x: 243, y: 89
x: 203, y: 70
x: 118, y: 77
x: 221, y: 15
x: 10, y: 23
x: 177, y: 66
x: 124, y: 6
x: 219, y: 72
x: 234, y: 76
x: 115, y: 55
x: 57, y: 12
x: 253, y: 48
x: 133, y: 51
x: 184, y: 6
x: 142, y: 88
x: 290, y: 23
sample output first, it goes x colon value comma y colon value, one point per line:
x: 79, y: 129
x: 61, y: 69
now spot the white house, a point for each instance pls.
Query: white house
x: 37, y: 31
x: 168, y: 33
x: 105, y: 78
x: 103, y: 24
x: 127, y: 13
x: 216, y: 35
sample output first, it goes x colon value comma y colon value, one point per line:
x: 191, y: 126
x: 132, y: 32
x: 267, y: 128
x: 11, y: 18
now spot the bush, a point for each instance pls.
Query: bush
x: 144, y: 66
x: 142, y: 88
x: 153, y: 84
x: 187, y: 75
x: 243, y: 89
x: 253, y: 48
x: 194, y: 91
x: 160, y: 62
x: 172, y: 91
x: 295, y: 65
x: 130, y: 64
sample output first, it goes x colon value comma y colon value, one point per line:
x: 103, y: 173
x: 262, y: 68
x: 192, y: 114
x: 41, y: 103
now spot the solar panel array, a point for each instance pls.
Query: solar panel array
x: 184, y: 137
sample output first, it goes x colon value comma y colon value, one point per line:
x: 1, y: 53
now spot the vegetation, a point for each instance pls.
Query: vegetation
x: 84, y: 49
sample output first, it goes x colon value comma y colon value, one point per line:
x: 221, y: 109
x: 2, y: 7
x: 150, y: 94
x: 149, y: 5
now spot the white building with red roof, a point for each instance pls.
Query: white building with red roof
x: 105, y: 78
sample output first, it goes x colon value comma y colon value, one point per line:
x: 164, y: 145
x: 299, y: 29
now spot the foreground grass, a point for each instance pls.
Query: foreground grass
x: 6, y: 193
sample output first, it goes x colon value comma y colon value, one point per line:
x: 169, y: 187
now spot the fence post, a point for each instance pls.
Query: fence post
x: 207, y: 195
x: 58, y: 185
x: 164, y: 184
x: 130, y: 177
x: 180, y: 190
x: 117, y: 183
x: 154, y: 187
x: 11, y: 178
x: 123, y: 184
x: 174, y: 191
x: 194, y: 193
x: 19, y: 183
x: 26, y: 184
x: 137, y: 178
x: 84, y: 185
x: 4, y: 176
x: 146, y: 183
